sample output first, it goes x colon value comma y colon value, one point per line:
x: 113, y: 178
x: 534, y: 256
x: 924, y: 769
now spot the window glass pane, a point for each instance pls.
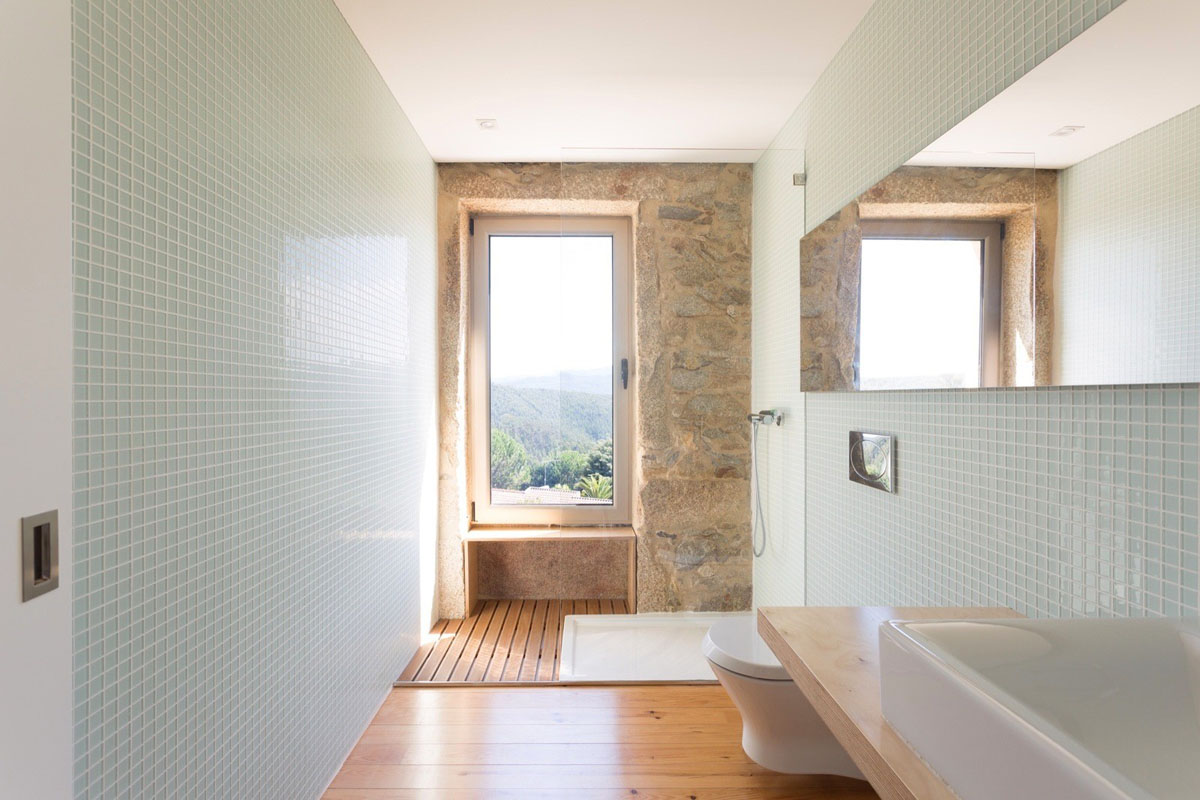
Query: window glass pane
x: 551, y: 368
x: 919, y: 317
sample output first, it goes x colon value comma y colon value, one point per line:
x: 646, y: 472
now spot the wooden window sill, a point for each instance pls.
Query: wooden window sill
x: 511, y: 534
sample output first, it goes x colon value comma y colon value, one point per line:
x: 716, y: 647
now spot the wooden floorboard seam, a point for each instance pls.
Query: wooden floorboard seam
x: 538, y: 742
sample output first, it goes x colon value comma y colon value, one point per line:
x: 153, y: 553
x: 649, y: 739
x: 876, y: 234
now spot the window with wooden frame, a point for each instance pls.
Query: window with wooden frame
x: 929, y: 304
x: 550, y: 433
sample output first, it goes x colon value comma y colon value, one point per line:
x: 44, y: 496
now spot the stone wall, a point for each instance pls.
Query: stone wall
x: 691, y: 366
x: 831, y: 263
x: 553, y: 570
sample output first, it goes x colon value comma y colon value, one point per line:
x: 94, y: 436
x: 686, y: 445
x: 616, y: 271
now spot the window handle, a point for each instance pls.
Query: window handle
x: 624, y: 373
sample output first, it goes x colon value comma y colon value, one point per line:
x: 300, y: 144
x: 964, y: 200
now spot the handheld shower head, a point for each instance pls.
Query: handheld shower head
x: 768, y: 416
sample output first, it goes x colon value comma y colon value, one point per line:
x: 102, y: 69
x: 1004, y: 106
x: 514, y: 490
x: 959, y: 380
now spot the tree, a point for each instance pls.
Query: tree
x: 510, y: 462
x: 564, y: 467
x: 597, y: 486
x: 600, y: 459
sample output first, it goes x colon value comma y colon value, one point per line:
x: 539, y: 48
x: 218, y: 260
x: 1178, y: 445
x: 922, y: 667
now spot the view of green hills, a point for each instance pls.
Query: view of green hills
x: 545, y: 421
x: 589, y: 381
x: 552, y: 431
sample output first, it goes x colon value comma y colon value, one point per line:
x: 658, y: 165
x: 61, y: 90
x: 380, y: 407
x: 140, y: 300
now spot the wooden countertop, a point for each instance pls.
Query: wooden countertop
x: 833, y: 656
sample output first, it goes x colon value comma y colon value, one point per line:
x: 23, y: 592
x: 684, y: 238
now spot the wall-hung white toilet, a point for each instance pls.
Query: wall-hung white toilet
x: 780, y: 729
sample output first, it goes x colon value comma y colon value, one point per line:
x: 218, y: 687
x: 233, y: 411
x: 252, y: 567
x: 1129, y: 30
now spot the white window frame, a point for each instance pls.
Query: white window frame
x: 479, y: 378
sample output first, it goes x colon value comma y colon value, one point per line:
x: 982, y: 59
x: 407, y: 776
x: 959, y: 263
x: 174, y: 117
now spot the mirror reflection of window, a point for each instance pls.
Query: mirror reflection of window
x: 928, y: 306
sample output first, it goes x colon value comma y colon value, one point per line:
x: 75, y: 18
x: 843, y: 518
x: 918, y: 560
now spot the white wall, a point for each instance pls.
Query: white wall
x: 35, y: 390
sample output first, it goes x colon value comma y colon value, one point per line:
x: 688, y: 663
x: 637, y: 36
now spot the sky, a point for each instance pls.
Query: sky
x: 920, y: 308
x: 551, y: 307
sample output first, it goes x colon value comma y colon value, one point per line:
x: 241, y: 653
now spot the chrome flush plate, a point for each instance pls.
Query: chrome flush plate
x: 873, y: 460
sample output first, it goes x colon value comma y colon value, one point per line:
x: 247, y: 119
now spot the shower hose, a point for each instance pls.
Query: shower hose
x: 760, y: 520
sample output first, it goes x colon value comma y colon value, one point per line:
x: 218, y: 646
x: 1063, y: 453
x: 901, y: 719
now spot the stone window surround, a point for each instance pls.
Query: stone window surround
x: 454, y: 495
x: 1025, y: 200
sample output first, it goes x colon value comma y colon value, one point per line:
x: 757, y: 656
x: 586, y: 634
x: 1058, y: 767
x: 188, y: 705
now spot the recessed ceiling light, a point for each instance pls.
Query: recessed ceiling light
x: 1067, y: 130
x: 486, y: 124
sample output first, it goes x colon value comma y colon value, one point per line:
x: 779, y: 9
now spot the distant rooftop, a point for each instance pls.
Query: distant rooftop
x: 544, y: 495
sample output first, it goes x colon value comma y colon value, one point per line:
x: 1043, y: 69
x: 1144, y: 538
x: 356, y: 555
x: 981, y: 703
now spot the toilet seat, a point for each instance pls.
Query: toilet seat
x: 734, y: 644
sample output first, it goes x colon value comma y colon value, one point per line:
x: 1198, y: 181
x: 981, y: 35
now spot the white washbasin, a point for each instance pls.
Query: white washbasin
x: 1049, y: 708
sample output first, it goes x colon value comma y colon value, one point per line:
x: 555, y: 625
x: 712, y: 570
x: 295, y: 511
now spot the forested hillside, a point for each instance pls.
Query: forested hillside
x: 546, y: 421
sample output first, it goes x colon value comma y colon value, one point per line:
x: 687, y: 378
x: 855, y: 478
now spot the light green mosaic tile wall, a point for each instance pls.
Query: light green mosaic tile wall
x: 254, y: 395
x: 1127, y: 281
x: 1057, y: 502
x: 912, y: 70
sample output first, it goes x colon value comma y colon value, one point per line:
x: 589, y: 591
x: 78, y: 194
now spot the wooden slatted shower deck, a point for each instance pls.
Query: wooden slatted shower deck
x: 505, y: 641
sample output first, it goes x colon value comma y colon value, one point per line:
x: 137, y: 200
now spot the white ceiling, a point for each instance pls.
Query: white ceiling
x: 1135, y: 68
x: 609, y: 80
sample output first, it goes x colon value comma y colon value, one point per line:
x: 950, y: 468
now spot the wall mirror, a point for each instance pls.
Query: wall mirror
x: 1051, y: 238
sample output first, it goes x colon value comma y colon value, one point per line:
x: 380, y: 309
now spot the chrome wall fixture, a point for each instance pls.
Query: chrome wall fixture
x: 873, y: 460
x: 39, y: 554
x: 766, y: 417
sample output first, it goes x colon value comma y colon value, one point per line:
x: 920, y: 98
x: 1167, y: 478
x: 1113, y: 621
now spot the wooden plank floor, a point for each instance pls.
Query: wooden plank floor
x: 582, y: 742
x: 506, y: 641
